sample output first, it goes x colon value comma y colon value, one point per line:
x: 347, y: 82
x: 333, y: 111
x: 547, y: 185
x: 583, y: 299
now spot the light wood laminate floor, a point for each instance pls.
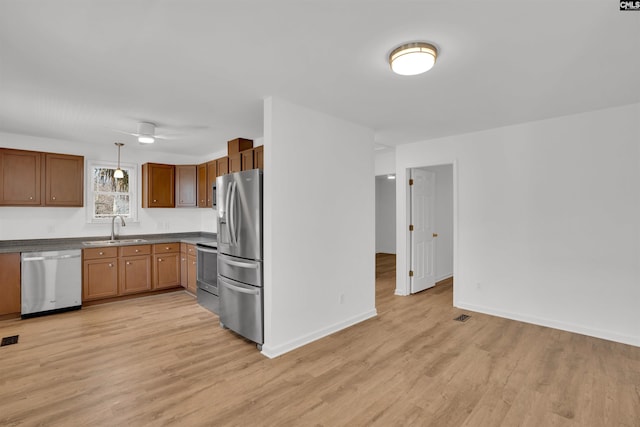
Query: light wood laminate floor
x: 163, y: 360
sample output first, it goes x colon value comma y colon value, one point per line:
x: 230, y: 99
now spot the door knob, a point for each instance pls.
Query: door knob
x: 435, y: 234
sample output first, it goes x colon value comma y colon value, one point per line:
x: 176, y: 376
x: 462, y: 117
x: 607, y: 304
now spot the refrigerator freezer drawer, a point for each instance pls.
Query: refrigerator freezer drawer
x: 241, y: 308
x: 241, y: 270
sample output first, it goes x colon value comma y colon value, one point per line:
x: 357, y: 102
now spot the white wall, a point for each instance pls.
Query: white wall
x: 319, y: 247
x: 18, y: 223
x: 443, y: 221
x: 548, y: 220
x: 385, y: 162
x: 385, y: 215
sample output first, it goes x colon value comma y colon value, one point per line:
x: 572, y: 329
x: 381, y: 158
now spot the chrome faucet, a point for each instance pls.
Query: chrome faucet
x: 113, y: 223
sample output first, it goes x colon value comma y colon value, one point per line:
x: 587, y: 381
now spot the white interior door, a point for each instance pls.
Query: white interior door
x: 422, y: 197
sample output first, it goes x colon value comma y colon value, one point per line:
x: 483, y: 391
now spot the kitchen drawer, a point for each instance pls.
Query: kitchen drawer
x: 134, y: 250
x: 164, y: 248
x: 98, y: 253
x: 188, y: 249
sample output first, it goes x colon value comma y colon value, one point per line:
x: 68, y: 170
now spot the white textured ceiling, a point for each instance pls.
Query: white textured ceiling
x: 77, y: 70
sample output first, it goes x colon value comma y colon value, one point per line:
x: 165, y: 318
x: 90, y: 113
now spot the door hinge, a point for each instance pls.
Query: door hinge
x: 411, y: 228
x: 410, y: 273
x: 411, y: 182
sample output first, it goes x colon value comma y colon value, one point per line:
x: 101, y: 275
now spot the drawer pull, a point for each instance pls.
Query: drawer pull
x: 137, y: 250
x: 100, y: 253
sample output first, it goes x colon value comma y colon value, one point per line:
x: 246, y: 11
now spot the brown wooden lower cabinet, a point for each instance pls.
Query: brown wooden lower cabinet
x: 135, y: 274
x: 166, y: 265
x: 9, y: 283
x: 188, y: 267
x: 125, y: 270
x: 192, y: 268
x: 100, y: 278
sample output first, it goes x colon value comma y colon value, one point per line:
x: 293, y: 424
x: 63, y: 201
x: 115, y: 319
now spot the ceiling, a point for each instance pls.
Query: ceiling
x: 83, y: 70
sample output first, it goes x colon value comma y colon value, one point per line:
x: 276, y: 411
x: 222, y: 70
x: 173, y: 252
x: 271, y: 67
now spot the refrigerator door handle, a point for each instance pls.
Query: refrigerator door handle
x: 251, y: 265
x: 232, y: 221
x: 224, y: 212
x: 239, y: 289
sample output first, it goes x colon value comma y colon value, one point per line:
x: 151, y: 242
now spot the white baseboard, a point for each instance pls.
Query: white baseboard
x: 444, y: 277
x: 278, y: 350
x: 400, y: 292
x: 570, y: 327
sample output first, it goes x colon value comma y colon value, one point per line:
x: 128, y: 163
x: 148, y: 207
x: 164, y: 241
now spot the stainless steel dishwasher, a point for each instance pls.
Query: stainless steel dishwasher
x: 51, y: 282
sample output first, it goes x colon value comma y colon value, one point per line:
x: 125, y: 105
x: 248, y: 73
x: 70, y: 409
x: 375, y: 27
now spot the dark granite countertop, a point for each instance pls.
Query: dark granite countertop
x: 39, y: 245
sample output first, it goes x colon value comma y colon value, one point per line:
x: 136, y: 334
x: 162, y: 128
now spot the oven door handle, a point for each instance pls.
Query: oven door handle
x: 209, y: 251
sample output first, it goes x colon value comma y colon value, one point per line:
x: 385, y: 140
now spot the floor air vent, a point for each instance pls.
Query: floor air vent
x: 9, y: 340
x: 462, y: 318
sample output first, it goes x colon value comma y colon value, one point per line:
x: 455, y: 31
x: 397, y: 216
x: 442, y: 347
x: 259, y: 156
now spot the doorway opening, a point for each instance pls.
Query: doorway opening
x: 385, y: 237
x: 430, y: 235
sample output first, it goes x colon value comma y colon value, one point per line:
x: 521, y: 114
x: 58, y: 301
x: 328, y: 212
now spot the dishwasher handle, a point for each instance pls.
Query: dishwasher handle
x: 42, y: 258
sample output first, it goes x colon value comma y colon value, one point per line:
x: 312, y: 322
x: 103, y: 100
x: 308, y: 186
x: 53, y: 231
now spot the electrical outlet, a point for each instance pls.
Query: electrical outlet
x: 341, y: 299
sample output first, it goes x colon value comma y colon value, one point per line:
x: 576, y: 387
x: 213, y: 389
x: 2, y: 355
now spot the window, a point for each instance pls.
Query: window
x: 108, y: 196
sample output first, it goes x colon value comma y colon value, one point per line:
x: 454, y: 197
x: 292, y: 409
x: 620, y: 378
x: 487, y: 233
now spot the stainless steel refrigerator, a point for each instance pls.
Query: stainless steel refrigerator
x: 239, y: 200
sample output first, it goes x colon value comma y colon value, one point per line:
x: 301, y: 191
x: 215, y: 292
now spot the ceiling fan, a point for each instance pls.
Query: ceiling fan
x: 147, y: 133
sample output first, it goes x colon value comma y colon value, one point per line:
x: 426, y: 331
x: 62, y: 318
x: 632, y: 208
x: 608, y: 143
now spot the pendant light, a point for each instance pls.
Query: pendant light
x: 118, y: 173
x: 413, y: 58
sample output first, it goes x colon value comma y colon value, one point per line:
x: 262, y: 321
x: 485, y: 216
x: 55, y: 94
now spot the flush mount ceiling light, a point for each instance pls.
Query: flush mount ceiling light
x: 118, y: 173
x: 413, y: 58
x: 146, y: 133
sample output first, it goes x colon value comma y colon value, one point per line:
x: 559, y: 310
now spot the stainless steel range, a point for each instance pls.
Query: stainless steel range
x: 207, y: 276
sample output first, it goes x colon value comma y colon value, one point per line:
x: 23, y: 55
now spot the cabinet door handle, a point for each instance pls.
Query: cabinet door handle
x: 137, y: 250
x: 30, y: 197
x: 110, y: 265
x: 54, y: 197
x: 128, y: 262
x: 154, y: 200
x: 159, y: 259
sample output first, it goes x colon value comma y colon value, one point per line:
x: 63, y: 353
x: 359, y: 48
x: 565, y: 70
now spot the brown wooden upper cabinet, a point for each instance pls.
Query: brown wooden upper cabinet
x: 202, y: 185
x: 64, y: 183
x: 20, y: 177
x: 222, y: 166
x: 235, y: 162
x: 158, y: 185
x: 212, y: 174
x: 247, y: 160
x: 33, y: 178
x: 258, y: 157
x: 186, y: 183
x: 239, y: 144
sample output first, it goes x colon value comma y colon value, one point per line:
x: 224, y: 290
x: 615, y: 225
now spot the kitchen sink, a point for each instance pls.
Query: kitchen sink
x: 113, y: 242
